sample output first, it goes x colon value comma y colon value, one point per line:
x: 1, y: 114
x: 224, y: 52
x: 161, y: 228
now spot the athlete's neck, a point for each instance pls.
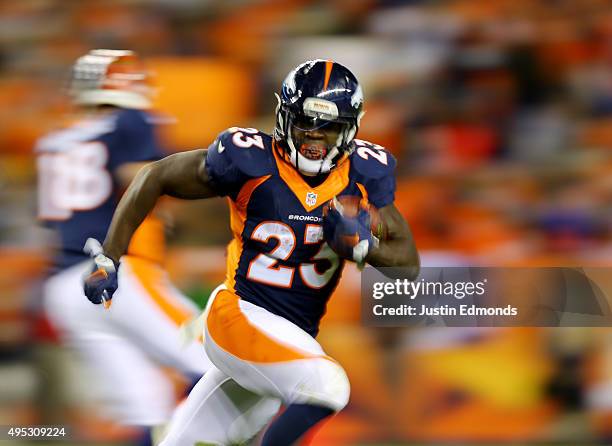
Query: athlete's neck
x: 315, y: 180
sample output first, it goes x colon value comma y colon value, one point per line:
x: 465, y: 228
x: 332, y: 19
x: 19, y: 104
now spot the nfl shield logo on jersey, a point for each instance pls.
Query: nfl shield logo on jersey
x: 311, y: 198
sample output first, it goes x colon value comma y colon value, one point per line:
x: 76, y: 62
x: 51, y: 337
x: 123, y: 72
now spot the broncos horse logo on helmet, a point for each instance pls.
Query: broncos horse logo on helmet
x: 318, y: 114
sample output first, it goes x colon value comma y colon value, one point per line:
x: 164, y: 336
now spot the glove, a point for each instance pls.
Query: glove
x: 101, y: 283
x: 350, y: 237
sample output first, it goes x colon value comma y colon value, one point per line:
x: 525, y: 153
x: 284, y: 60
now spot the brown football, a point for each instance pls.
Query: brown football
x: 349, y: 206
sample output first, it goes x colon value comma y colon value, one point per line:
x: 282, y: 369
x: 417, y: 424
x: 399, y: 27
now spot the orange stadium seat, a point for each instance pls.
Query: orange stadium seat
x: 246, y: 34
x: 492, y: 389
x: 383, y: 125
x: 424, y: 202
x: 205, y: 96
x: 478, y: 230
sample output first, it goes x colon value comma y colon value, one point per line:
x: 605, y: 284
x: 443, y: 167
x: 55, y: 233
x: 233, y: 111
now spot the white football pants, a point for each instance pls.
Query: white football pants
x: 122, y: 345
x: 260, y: 360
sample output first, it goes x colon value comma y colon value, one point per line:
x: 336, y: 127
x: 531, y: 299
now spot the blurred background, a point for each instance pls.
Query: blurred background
x: 500, y: 116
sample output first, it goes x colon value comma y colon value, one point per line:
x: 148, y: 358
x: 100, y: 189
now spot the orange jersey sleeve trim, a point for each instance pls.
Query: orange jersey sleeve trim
x: 362, y: 189
x: 237, y: 219
x: 234, y: 251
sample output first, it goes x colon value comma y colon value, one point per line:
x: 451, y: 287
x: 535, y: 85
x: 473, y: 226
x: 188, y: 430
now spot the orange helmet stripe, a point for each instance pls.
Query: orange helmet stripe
x: 328, y: 69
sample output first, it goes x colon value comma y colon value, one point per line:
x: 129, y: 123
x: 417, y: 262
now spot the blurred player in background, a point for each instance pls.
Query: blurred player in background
x: 284, y: 261
x: 83, y: 170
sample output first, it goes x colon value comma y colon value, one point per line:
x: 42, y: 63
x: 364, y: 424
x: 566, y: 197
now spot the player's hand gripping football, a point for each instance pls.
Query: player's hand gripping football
x: 348, y: 230
x: 101, y: 283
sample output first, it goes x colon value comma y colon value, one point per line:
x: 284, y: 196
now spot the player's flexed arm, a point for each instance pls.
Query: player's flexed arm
x: 398, y: 249
x: 352, y: 238
x: 181, y: 175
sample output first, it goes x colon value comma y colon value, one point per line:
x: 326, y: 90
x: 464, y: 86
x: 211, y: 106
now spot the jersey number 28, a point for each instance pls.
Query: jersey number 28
x: 73, y: 180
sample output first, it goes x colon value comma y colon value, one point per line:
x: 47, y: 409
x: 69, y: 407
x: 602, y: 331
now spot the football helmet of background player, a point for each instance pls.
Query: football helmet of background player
x: 111, y: 77
x: 323, y: 96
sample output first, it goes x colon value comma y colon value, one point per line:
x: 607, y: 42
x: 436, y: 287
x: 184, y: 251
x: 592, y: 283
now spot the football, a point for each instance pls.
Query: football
x: 350, y: 205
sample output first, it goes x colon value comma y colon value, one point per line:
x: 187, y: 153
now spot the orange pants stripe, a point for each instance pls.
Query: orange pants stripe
x: 232, y: 331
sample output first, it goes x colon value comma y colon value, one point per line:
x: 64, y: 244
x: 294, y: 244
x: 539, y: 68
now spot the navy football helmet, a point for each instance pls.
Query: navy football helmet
x: 318, y: 114
x: 111, y: 77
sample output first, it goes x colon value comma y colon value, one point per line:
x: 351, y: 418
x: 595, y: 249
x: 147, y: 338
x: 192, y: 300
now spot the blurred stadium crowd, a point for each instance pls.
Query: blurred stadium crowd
x: 500, y: 115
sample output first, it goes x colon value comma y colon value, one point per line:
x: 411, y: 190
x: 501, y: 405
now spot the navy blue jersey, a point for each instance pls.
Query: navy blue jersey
x: 78, y: 191
x: 278, y: 258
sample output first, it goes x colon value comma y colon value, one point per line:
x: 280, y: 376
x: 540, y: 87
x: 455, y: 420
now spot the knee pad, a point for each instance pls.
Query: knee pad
x: 326, y: 386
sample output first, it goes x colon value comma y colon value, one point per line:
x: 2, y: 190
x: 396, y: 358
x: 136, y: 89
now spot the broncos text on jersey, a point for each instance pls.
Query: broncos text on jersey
x: 278, y: 259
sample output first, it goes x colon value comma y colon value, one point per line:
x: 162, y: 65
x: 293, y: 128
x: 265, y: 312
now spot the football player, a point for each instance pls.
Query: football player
x: 284, y: 261
x: 82, y: 171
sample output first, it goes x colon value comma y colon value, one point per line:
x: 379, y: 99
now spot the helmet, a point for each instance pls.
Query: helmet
x: 111, y: 77
x: 318, y: 114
